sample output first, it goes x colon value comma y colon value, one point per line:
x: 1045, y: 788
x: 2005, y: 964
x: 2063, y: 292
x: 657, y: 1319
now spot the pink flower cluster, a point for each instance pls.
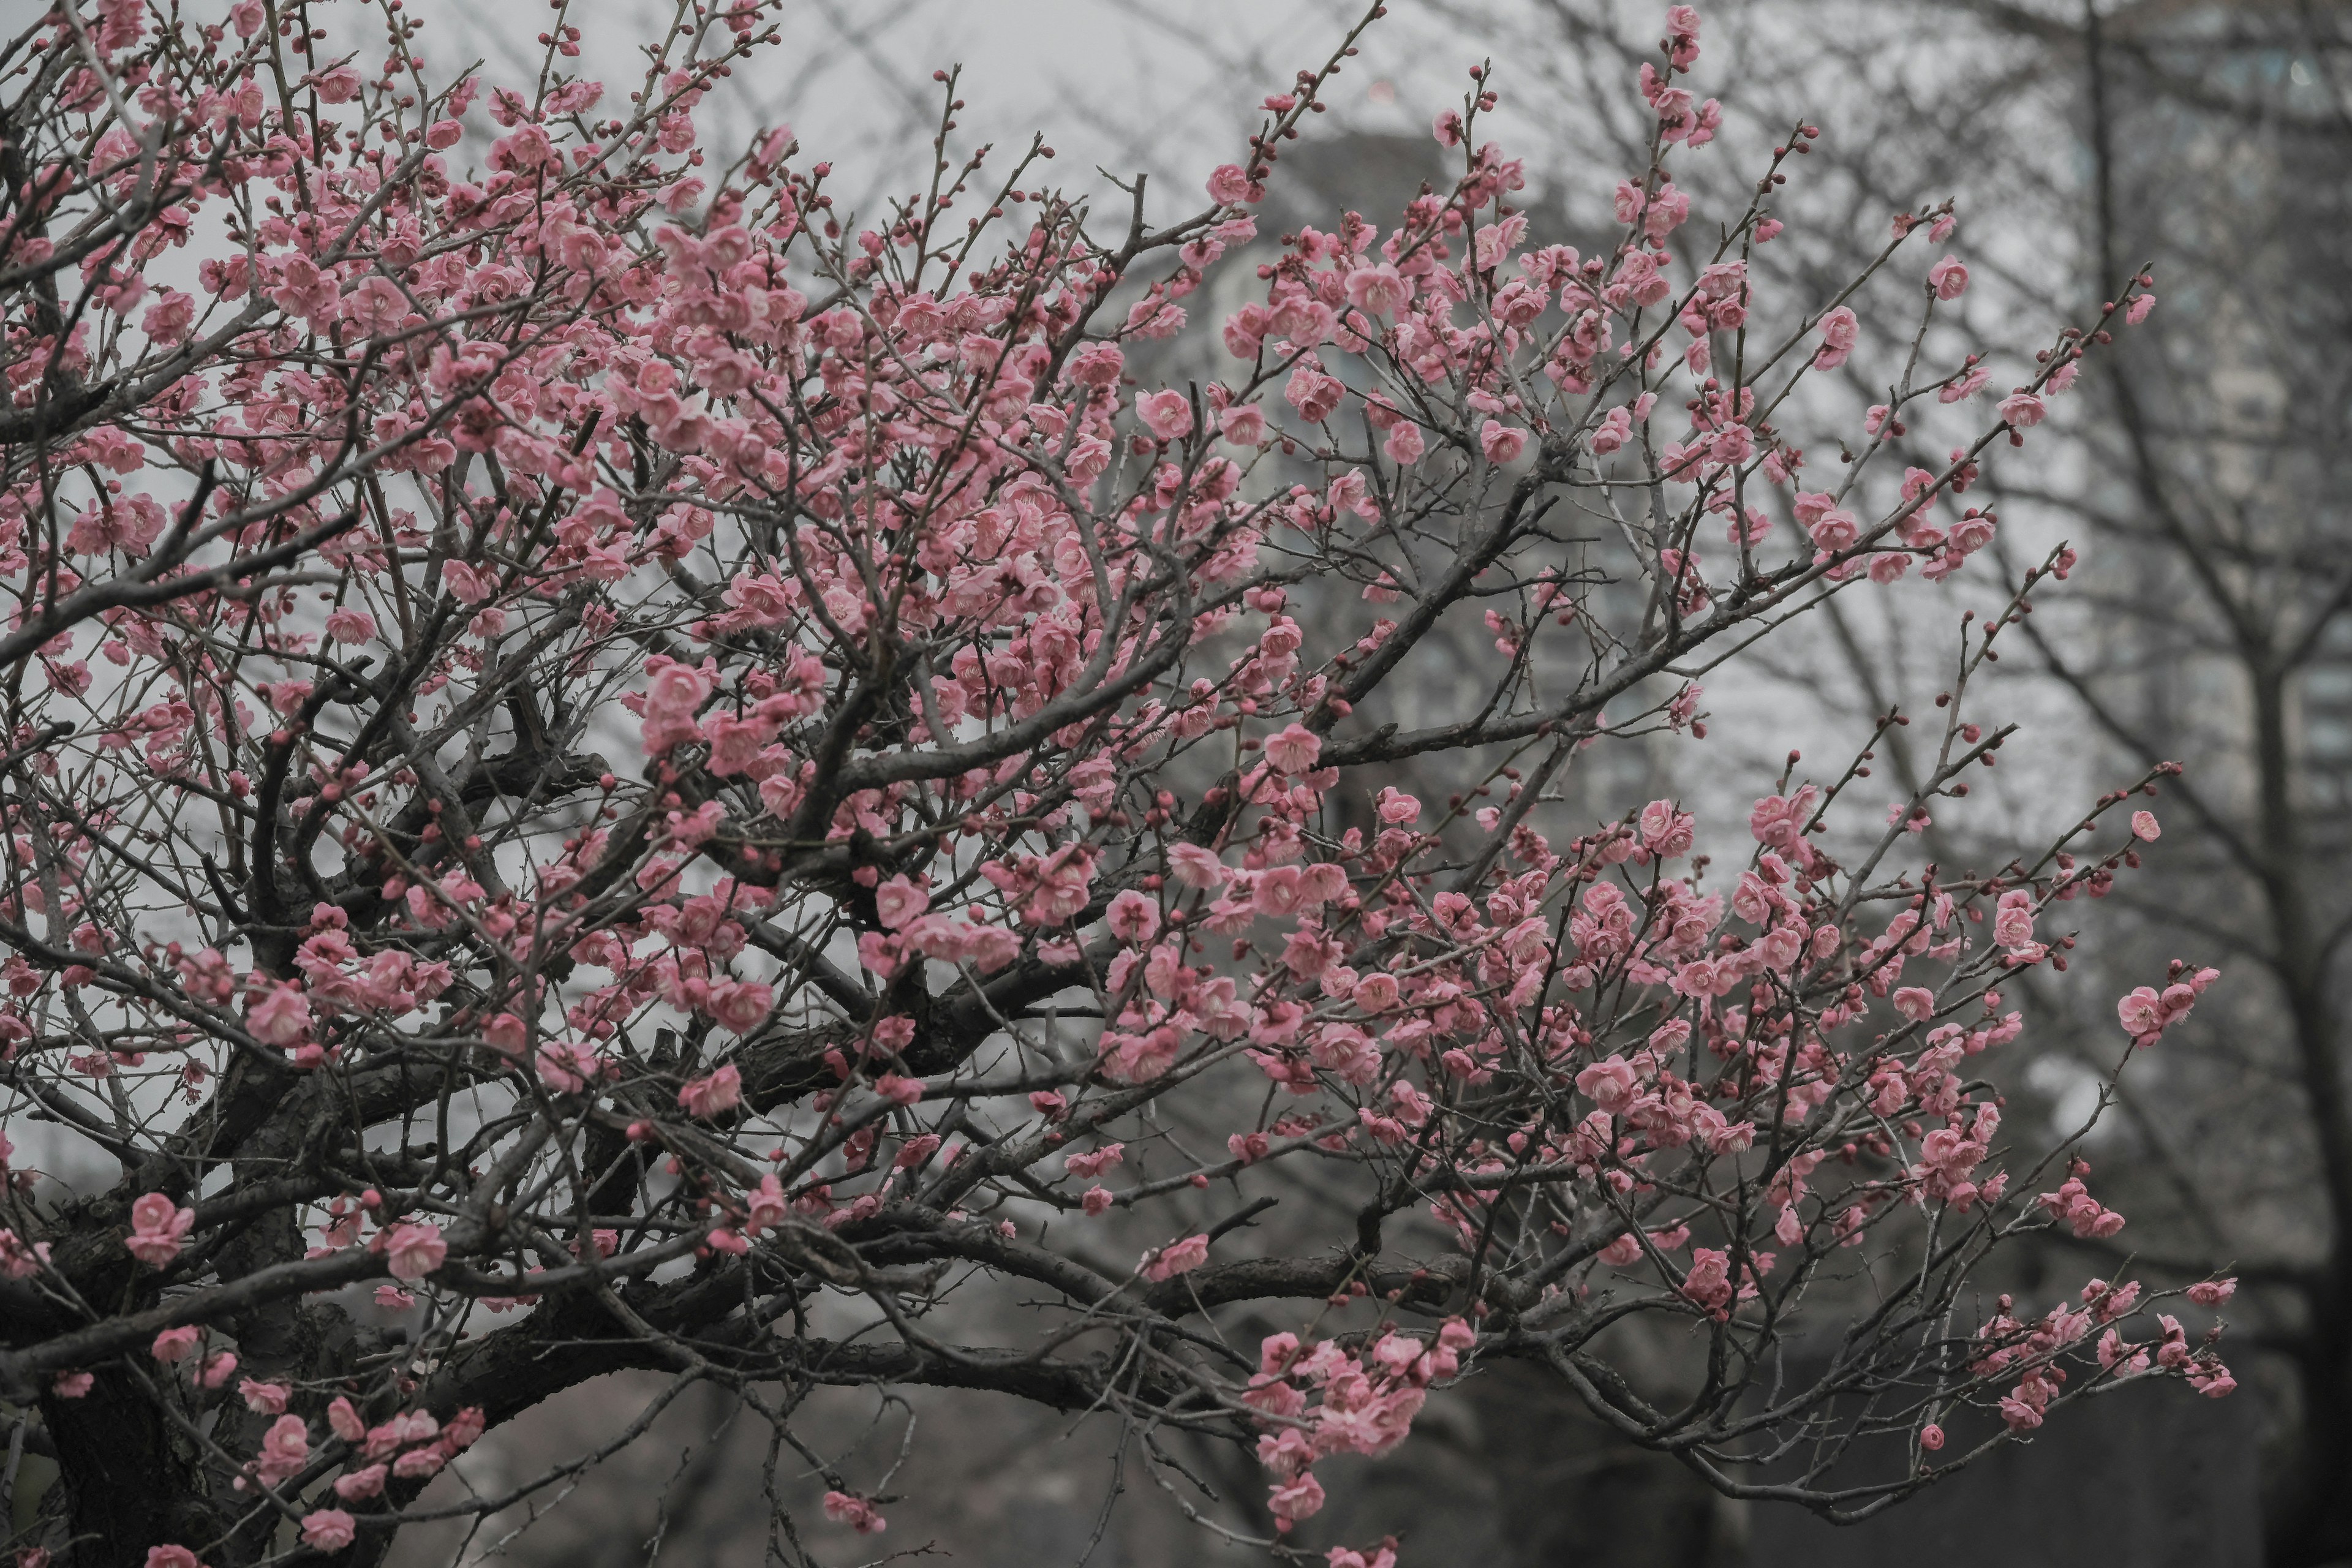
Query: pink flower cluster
x: 1324, y: 1401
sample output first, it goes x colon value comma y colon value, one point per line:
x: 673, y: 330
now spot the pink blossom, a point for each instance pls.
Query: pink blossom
x: 899, y: 900
x: 1616, y: 428
x: 1839, y: 332
x: 764, y: 1207
x: 1707, y: 1282
x: 365, y: 1482
x: 673, y: 696
x: 1293, y: 749
x: 1666, y: 832
x: 1097, y: 364
x: 465, y: 1427
x: 1609, y: 1085
x: 1500, y: 442
x: 1231, y: 187
x: 2144, y: 826
x: 1244, y: 331
x: 1295, y: 1500
x: 854, y: 1512
x: 1948, y: 278
x: 174, y: 1344
x: 1132, y: 918
x: 180, y: 1556
x: 1063, y: 879
x: 343, y: 1419
x: 741, y: 1005
x: 2072, y: 1204
x: 267, y: 1398
x: 167, y: 320
x: 567, y: 1066
x: 2212, y: 1382
x: 714, y: 1094
x: 1195, y: 867
x: 328, y: 1529
x: 1378, y: 291
x: 1176, y: 1258
x: 1832, y: 528
x: 1167, y: 415
x: 413, y: 1249
x: 1965, y: 385
x: 284, y: 1450
x: 2013, y: 924
x: 350, y: 626
x: 2021, y: 409
x: 158, y: 1230
x: 280, y: 1017
x: 1315, y: 395
x: 375, y: 305
x: 418, y: 1463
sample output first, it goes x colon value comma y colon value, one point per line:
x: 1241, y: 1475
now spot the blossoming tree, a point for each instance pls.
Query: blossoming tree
x: 665, y: 780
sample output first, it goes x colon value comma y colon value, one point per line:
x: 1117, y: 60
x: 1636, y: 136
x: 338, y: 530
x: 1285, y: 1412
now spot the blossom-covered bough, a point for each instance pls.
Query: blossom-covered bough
x: 668, y: 781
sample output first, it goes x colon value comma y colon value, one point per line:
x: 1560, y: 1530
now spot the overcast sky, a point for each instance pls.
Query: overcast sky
x: 1169, y: 89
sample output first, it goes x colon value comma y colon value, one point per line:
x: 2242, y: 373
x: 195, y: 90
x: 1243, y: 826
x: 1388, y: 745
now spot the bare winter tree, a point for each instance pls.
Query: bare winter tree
x: 2219, y: 145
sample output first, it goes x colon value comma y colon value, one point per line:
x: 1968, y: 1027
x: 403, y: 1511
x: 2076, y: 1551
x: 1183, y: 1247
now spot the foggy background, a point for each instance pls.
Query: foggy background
x: 2205, y: 484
